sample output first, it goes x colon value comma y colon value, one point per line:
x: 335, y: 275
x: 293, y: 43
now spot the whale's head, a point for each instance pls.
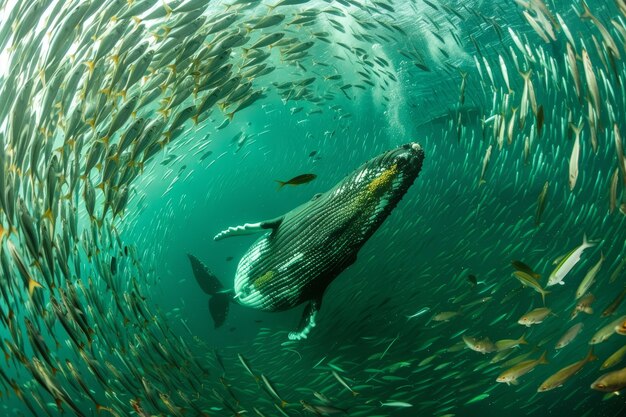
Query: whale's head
x: 377, y: 186
x: 395, y: 169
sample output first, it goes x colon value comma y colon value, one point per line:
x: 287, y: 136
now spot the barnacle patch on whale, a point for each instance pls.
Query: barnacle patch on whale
x: 260, y: 281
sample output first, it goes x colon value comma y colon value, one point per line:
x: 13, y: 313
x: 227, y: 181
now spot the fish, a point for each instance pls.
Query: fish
x: 505, y: 73
x: 396, y: 404
x: 606, y: 36
x: 325, y: 409
x: 610, y: 309
x: 522, y: 267
x: 573, y: 66
x: 525, y: 100
x: 540, y: 120
x: 260, y: 280
x: 613, y: 191
x: 343, y: 383
x: 589, y: 278
x: 541, y: 203
x: 472, y: 279
x: 535, y: 316
x: 287, y: 3
x: 113, y: 265
x: 584, y: 305
x: 528, y: 281
x: 422, y: 311
x: 29, y: 282
x: 479, y: 345
x: 486, y: 159
x: 267, y: 40
x: 569, y: 335
x: 567, y: 263
x: 511, y: 376
x: 445, y: 316
x: 247, y: 367
x: 574, y: 157
x: 619, y: 153
x: 606, y: 331
x: 246, y: 101
x: 269, y: 387
x: 615, y: 358
x: 592, y: 83
x: 506, y: 344
x: 478, y: 398
x: 297, y: 180
x: 610, y: 382
x: 560, y: 377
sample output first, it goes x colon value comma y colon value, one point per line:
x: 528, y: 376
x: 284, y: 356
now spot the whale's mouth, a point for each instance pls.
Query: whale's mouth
x: 409, y: 154
x: 407, y: 158
x: 397, y: 166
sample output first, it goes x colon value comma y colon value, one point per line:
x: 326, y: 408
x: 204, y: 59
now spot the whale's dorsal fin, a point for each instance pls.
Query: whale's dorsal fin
x: 249, y: 228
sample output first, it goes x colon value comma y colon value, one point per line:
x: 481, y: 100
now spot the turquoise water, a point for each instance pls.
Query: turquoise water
x: 133, y: 336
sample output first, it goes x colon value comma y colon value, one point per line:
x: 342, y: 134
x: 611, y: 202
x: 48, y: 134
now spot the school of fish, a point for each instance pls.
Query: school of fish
x: 504, y: 273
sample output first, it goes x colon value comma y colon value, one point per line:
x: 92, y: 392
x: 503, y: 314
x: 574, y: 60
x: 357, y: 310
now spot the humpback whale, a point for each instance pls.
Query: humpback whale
x: 304, y: 250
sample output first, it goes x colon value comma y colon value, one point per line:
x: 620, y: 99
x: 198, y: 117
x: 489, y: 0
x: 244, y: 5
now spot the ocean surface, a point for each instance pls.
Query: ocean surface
x: 133, y: 132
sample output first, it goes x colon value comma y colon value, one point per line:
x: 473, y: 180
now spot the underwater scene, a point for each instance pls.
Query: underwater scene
x: 292, y: 208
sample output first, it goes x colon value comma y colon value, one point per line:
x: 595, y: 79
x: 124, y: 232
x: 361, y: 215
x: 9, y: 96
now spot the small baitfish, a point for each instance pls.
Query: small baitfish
x: 299, y: 180
x: 304, y: 250
x: 568, y: 262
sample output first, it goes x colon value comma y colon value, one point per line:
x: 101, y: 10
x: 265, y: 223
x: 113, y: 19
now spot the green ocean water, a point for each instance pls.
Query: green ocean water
x: 137, y: 330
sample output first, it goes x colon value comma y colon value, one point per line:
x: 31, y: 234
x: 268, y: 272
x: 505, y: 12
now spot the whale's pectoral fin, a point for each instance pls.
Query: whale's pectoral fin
x: 249, y: 228
x: 273, y: 224
x: 308, y: 320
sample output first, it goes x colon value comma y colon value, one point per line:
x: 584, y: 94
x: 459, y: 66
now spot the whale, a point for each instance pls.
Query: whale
x: 301, y: 252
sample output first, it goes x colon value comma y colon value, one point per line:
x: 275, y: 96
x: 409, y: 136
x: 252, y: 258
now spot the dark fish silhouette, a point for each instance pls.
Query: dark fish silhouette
x: 299, y: 180
x: 472, y: 280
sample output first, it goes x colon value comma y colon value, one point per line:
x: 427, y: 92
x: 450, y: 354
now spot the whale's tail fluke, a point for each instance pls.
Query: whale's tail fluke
x: 220, y: 296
